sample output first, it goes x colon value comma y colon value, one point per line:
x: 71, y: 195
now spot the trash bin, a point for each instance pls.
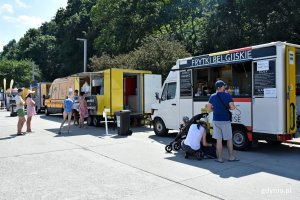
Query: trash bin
x: 13, y: 106
x: 123, y: 122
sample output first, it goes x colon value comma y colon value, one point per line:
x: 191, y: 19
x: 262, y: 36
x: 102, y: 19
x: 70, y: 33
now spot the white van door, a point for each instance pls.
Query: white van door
x: 152, y: 84
x: 264, y: 102
x: 169, y: 105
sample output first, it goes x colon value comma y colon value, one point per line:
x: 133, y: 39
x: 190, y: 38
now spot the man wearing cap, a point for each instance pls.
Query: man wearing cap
x: 220, y: 103
x: 20, y: 110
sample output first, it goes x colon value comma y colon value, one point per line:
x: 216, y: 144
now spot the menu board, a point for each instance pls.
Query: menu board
x: 185, y: 83
x: 264, y: 77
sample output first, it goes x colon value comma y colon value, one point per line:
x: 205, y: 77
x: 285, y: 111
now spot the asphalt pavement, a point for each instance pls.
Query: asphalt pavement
x: 87, y: 164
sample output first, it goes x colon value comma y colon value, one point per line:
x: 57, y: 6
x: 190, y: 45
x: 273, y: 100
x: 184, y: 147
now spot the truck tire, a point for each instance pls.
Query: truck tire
x: 47, y: 111
x: 89, y: 120
x: 240, y: 140
x: 160, y: 127
x: 96, y: 121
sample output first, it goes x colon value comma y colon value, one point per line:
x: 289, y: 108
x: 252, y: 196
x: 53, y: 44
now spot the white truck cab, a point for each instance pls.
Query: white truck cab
x: 166, y: 110
x: 263, y: 80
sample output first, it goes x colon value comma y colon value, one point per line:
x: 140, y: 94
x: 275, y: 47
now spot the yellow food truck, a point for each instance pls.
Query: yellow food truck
x: 41, y: 90
x: 111, y: 89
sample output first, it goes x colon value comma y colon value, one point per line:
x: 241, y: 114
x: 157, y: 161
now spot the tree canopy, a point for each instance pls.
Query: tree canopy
x: 19, y: 71
x: 150, y: 34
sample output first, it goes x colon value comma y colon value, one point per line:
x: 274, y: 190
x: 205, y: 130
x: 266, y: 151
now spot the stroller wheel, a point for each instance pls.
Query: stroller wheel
x: 168, y: 148
x: 177, y: 146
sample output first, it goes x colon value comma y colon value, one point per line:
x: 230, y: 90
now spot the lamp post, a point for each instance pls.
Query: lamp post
x: 32, y: 72
x: 84, y: 52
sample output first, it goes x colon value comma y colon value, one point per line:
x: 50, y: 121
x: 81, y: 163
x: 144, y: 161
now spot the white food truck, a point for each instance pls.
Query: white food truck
x: 263, y: 81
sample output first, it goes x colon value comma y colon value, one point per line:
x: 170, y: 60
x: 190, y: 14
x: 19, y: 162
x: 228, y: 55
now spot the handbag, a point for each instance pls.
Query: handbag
x: 226, y: 108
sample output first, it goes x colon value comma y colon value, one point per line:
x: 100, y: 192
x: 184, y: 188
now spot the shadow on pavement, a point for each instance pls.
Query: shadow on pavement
x: 164, y: 140
x: 54, y: 118
x: 9, y: 137
x: 94, y: 131
x: 281, y: 160
x: 89, y: 130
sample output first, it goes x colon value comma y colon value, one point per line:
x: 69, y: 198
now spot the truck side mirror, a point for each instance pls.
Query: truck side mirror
x: 157, y: 96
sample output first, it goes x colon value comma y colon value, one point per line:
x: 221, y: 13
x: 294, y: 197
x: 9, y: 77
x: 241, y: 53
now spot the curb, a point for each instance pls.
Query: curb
x: 292, y: 142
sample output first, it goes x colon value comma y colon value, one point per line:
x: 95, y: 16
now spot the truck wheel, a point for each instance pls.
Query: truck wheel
x: 240, y: 140
x: 160, y: 127
x: 47, y: 111
x: 96, y: 121
x: 90, y: 121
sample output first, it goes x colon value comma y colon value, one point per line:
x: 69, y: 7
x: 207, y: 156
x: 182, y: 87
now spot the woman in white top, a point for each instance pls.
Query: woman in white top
x: 196, y: 135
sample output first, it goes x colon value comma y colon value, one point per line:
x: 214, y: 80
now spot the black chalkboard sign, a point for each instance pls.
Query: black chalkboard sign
x: 264, y: 76
x: 185, y: 83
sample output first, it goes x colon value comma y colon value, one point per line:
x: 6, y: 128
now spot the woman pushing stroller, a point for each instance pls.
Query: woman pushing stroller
x: 195, y: 143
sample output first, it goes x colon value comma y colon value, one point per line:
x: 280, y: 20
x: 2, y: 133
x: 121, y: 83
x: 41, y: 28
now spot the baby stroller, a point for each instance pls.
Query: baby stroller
x: 183, y: 131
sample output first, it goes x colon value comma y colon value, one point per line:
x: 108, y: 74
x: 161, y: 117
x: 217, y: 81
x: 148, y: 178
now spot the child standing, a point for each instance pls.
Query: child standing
x: 67, y: 114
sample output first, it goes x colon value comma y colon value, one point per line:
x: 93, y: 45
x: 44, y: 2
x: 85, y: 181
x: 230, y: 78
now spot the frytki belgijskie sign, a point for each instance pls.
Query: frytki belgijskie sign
x: 225, y: 57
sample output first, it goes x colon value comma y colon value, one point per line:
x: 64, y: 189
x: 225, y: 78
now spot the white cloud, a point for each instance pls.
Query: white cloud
x: 6, y: 8
x: 22, y: 4
x: 25, y: 20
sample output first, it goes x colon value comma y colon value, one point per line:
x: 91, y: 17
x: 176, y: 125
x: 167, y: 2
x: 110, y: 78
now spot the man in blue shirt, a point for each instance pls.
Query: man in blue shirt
x: 220, y: 103
x: 68, y: 105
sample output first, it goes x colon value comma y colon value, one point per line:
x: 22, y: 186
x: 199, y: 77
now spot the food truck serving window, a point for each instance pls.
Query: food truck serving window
x: 238, y: 78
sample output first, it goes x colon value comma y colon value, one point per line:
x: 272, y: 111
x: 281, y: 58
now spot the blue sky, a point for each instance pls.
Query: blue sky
x: 17, y: 16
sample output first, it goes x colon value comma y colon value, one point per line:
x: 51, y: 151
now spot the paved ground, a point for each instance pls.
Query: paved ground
x: 89, y: 165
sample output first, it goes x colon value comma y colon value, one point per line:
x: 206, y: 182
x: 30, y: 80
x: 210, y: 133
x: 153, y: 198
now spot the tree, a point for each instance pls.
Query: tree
x: 73, y: 22
x: 20, y: 71
x: 122, y: 25
x: 10, y: 50
x: 119, y: 29
x: 157, y: 54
